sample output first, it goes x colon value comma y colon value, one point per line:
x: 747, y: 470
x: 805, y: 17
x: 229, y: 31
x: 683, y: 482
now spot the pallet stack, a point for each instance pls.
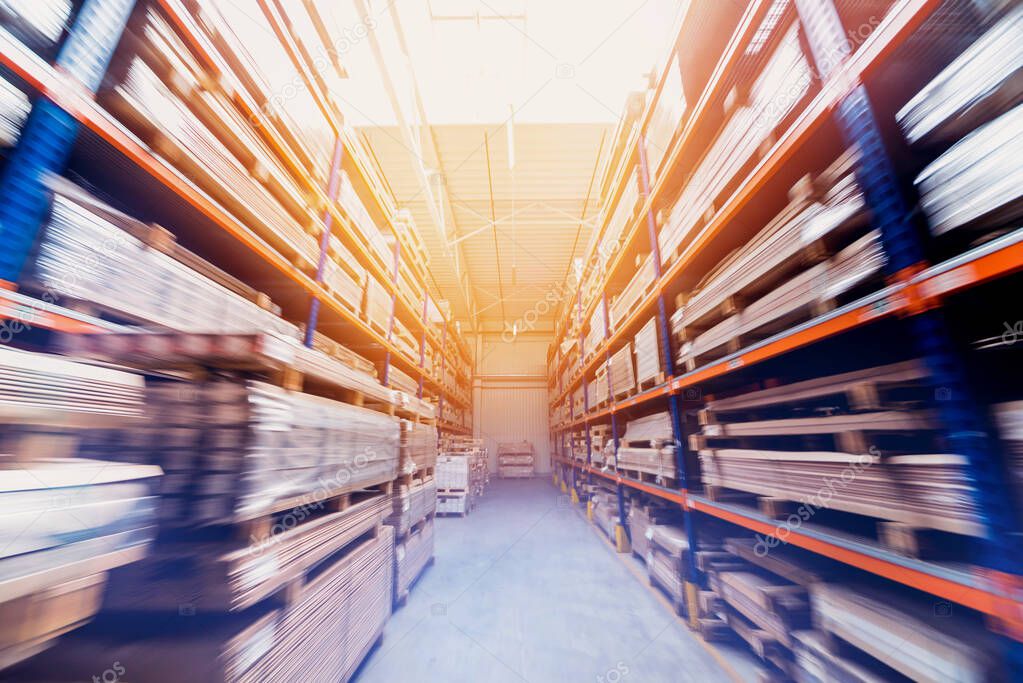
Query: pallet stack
x: 413, y: 505
x: 462, y: 475
x: 70, y: 517
x: 515, y: 460
x: 647, y: 450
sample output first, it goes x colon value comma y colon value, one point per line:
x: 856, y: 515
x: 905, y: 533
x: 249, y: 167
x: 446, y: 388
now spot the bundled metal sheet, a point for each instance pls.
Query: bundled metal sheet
x: 418, y: 447
x: 83, y: 256
x: 233, y: 450
x: 411, y: 555
x: 984, y: 81
x: 784, y: 81
x: 979, y: 181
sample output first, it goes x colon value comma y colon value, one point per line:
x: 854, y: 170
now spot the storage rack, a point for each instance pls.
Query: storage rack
x: 66, y: 105
x: 923, y: 283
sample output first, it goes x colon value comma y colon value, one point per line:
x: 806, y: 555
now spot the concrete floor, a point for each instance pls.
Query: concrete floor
x: 524, y: 589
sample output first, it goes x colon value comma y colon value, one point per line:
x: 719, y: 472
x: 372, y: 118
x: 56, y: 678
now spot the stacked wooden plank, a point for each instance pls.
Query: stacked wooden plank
x: 159, y: 110
x: 624, y: 209
x: 752, y: 443
x: 90, y: 253
x: 515, y: 459
x: 782, y: 83
x: 600, y: 392
x: 624, y: 303
x: 605, y: 511
x: 363, y: 222
x: 812, y: 292
x: 647, y: 349
x: 595, y: 333
x: 667, y: 561
x: 322, y: 634
x: 648, y: 447
x: 642, y: 518
x: 233, y: 450
x: 910, y: 636
x: 218, y: 575
x: 344, y: 276
x: 418, y: 448
x: 623, y: 374
x: 410, y: 504
x: 412, y: 555
x: 600, y: 441
x: 260, y: 355
x: 377, y: 306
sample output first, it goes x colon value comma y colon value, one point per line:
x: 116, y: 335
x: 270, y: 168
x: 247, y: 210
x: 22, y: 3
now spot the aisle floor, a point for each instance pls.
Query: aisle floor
x: 524, y: 589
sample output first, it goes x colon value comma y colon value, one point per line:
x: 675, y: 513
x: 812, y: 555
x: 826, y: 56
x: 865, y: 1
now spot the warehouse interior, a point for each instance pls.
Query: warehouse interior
x: 514, y: 340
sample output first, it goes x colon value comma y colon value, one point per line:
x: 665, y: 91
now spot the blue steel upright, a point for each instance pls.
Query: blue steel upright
x: 677, y: 429
x: 50, y: 132
x: 333, y: 189
x: 965, y: 425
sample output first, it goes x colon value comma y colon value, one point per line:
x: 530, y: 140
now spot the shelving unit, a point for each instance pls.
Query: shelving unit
x: 287, y: 373
x: 293, y: 281
x: 843, y: 104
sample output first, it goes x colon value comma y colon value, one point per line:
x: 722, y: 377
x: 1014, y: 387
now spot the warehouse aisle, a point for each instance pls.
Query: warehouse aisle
x: 523, y: 589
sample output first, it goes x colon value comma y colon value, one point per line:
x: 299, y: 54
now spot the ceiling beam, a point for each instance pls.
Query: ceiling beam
x: 418, y: 146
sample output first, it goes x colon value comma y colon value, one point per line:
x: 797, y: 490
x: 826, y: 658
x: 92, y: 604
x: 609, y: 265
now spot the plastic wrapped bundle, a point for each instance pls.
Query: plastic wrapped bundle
x: 981, y: 83
x: 233, y: 450
x: 979, y: 182
x: 418, y: 447
x: 411, y: 556
x: 84, y: 256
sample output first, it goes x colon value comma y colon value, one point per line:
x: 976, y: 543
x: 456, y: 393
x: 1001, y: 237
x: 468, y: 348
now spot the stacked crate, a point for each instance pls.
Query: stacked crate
x: 515, y: 460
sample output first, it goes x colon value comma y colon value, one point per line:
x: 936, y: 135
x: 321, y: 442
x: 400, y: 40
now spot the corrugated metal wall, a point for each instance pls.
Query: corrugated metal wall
x: 510, y: 396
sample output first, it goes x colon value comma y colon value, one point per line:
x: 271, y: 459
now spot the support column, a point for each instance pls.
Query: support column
x: 50, y: 132
x: 333, y: 188
x: 966, y: 426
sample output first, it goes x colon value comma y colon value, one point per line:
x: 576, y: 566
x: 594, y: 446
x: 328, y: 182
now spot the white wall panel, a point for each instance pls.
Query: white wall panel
x: 516, y: 411
x: 510, y: 396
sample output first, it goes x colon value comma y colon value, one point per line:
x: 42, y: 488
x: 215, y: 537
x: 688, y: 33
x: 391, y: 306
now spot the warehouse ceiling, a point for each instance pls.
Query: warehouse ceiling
x: 489, y: 118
